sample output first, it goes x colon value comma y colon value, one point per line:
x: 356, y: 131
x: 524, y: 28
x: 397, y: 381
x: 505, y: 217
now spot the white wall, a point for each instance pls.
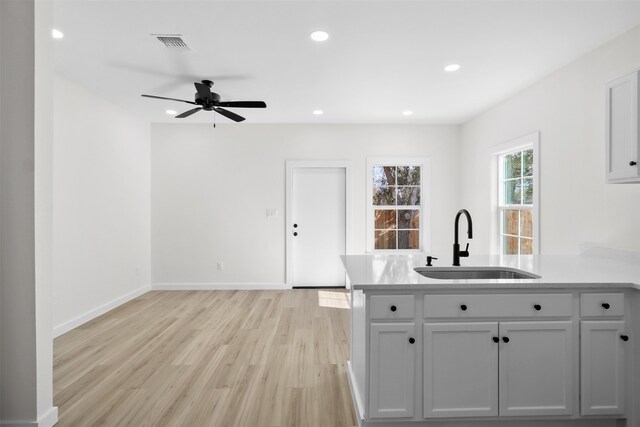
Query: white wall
x: 101, y: 205
x: 567, y: 108
x: 210, y: 189
x: 26, y: 394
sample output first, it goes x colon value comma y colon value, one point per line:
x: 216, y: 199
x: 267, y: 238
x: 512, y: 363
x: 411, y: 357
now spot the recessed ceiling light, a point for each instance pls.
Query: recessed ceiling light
x: 319, y: 36
x: 407, y: 113
x: 452, y: 67
x: 171, y: 112
x: 57, y: 34
x: 318, y: 112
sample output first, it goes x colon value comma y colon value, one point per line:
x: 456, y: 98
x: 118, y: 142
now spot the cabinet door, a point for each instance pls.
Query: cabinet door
x: 392, y: 370
x: 460, y: 369
x: 622, y: 129
x: 602, y: 372
x: 536, y: 368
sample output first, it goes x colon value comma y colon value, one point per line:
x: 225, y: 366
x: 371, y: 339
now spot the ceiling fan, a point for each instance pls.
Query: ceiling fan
x: 210, y: 101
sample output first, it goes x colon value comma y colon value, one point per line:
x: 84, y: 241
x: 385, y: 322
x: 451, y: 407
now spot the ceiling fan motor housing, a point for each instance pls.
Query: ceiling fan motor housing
x: 208, y: 103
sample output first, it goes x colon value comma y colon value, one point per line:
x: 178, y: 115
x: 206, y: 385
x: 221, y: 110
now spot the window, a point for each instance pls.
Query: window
x: 396, y: 200
x: 515, y: 228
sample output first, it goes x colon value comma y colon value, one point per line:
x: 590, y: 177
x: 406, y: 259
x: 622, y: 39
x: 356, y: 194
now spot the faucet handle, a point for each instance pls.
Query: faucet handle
x: 429, y: 259
x: 465, y: 253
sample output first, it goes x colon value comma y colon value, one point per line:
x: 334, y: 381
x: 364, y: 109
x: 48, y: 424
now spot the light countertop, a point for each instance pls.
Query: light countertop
x: 371, y: 272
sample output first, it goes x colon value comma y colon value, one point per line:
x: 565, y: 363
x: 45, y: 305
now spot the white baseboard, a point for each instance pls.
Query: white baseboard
x: 92, y: 314
x: 218, y: 286
x: 48, y: 419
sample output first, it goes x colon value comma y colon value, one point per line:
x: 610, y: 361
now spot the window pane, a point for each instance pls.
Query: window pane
x: 385, y: 218
x: 408, y: 239
x: 384, y: 176
x: 512, y: 165
x: 509, y: 245
x: 527, y: 191
x: 510, y: 222
x: 409, y: 196
x: 385, y: 239
x: 528, y: 162
x: 408, y: 218
x: 408, y: 175
x: 384, y: 196
x: 526, y: 246
x: 526, y: 224
x: 512, y: 192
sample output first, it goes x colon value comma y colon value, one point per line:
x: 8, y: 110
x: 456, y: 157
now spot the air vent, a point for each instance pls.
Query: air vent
x: 172, y: 41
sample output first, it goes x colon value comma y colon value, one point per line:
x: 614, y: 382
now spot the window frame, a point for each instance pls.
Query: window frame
x: 523, y: 143
x: 424, y: 206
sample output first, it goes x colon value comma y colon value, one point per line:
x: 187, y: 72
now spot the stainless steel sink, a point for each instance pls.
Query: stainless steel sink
x: 474, y: 273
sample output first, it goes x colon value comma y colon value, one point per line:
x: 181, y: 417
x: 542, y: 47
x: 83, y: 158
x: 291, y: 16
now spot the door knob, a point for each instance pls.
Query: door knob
x: 393, y: 308
x: 295, y: 225
x: 538, y: 307
x: 463, y: 307
x: 624, y: 338
x: 496, y: 339
x: 412, y: 340
x: 605, y: 305
x: 295, y: 233
x: 632, y: 163
x: 505, y: 339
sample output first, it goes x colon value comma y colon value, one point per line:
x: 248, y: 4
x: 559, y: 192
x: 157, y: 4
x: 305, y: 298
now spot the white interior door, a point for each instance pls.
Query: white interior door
x: 317, y: 231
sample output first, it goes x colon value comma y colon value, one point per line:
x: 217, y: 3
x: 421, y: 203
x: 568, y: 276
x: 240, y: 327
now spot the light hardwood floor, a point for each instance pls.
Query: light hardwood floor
x: 209, y: 358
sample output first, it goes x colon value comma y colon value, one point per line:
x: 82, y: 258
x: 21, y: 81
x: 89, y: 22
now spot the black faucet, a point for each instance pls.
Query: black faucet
x: 457, y: 253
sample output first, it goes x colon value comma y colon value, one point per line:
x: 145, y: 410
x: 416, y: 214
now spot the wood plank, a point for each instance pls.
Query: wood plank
x: 208, y: 358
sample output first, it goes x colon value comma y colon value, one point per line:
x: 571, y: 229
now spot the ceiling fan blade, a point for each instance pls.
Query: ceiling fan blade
x: 203, y: 90
x: 243, y: 104
x: 228, y: 114
x: 188, y: 113
x: 170, y: 99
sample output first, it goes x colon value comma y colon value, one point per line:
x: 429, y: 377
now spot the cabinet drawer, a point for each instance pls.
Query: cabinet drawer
x: 392, y: 306
x: 524, y: 305
x: 602, y: 305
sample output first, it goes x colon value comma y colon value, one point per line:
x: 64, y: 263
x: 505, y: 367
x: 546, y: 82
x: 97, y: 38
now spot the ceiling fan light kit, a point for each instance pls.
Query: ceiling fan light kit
x: 210, y: 101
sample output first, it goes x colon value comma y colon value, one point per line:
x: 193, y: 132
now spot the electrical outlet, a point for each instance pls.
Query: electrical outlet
x: 220, y: 265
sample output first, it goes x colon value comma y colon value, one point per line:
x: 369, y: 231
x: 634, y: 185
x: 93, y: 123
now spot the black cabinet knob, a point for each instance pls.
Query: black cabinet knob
x: 505, y: 339
x: 463, y: 307
x: 295, y: 225
x: 632, y: 163
x: 394, y: 308
x: 605, y: 305
x: 624, y: 338
x: 295, y: 233
x: 411, y: 340
x: 496, y: 339
x: 537, y: 307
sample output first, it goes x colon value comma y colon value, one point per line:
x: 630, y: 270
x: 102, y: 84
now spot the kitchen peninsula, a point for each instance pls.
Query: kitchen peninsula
x: 557, y: 350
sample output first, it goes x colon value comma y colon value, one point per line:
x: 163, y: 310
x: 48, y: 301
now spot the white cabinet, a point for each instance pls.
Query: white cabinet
x: 622, y: 138
x: 460, y: 369
x: 602, y: 373
x: 462, y: 378
x: 536, y: 368
x: 392, y: 370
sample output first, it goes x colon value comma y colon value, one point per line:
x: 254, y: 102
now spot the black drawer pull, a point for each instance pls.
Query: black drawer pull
x: 624, y: 338
x: 463, y: 307
x: 538, y: 307
x: 605, y: 305
x: 496, y: 339
x: 412, y: 340
x: 394, y: 308
x: 505, y: 339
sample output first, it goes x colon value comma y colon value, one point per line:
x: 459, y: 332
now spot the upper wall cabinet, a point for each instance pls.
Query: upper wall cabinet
x: 622, y: 116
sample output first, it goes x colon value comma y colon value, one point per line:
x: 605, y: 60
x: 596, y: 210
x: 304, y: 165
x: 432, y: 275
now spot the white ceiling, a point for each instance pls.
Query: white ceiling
x: 383, y: 57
